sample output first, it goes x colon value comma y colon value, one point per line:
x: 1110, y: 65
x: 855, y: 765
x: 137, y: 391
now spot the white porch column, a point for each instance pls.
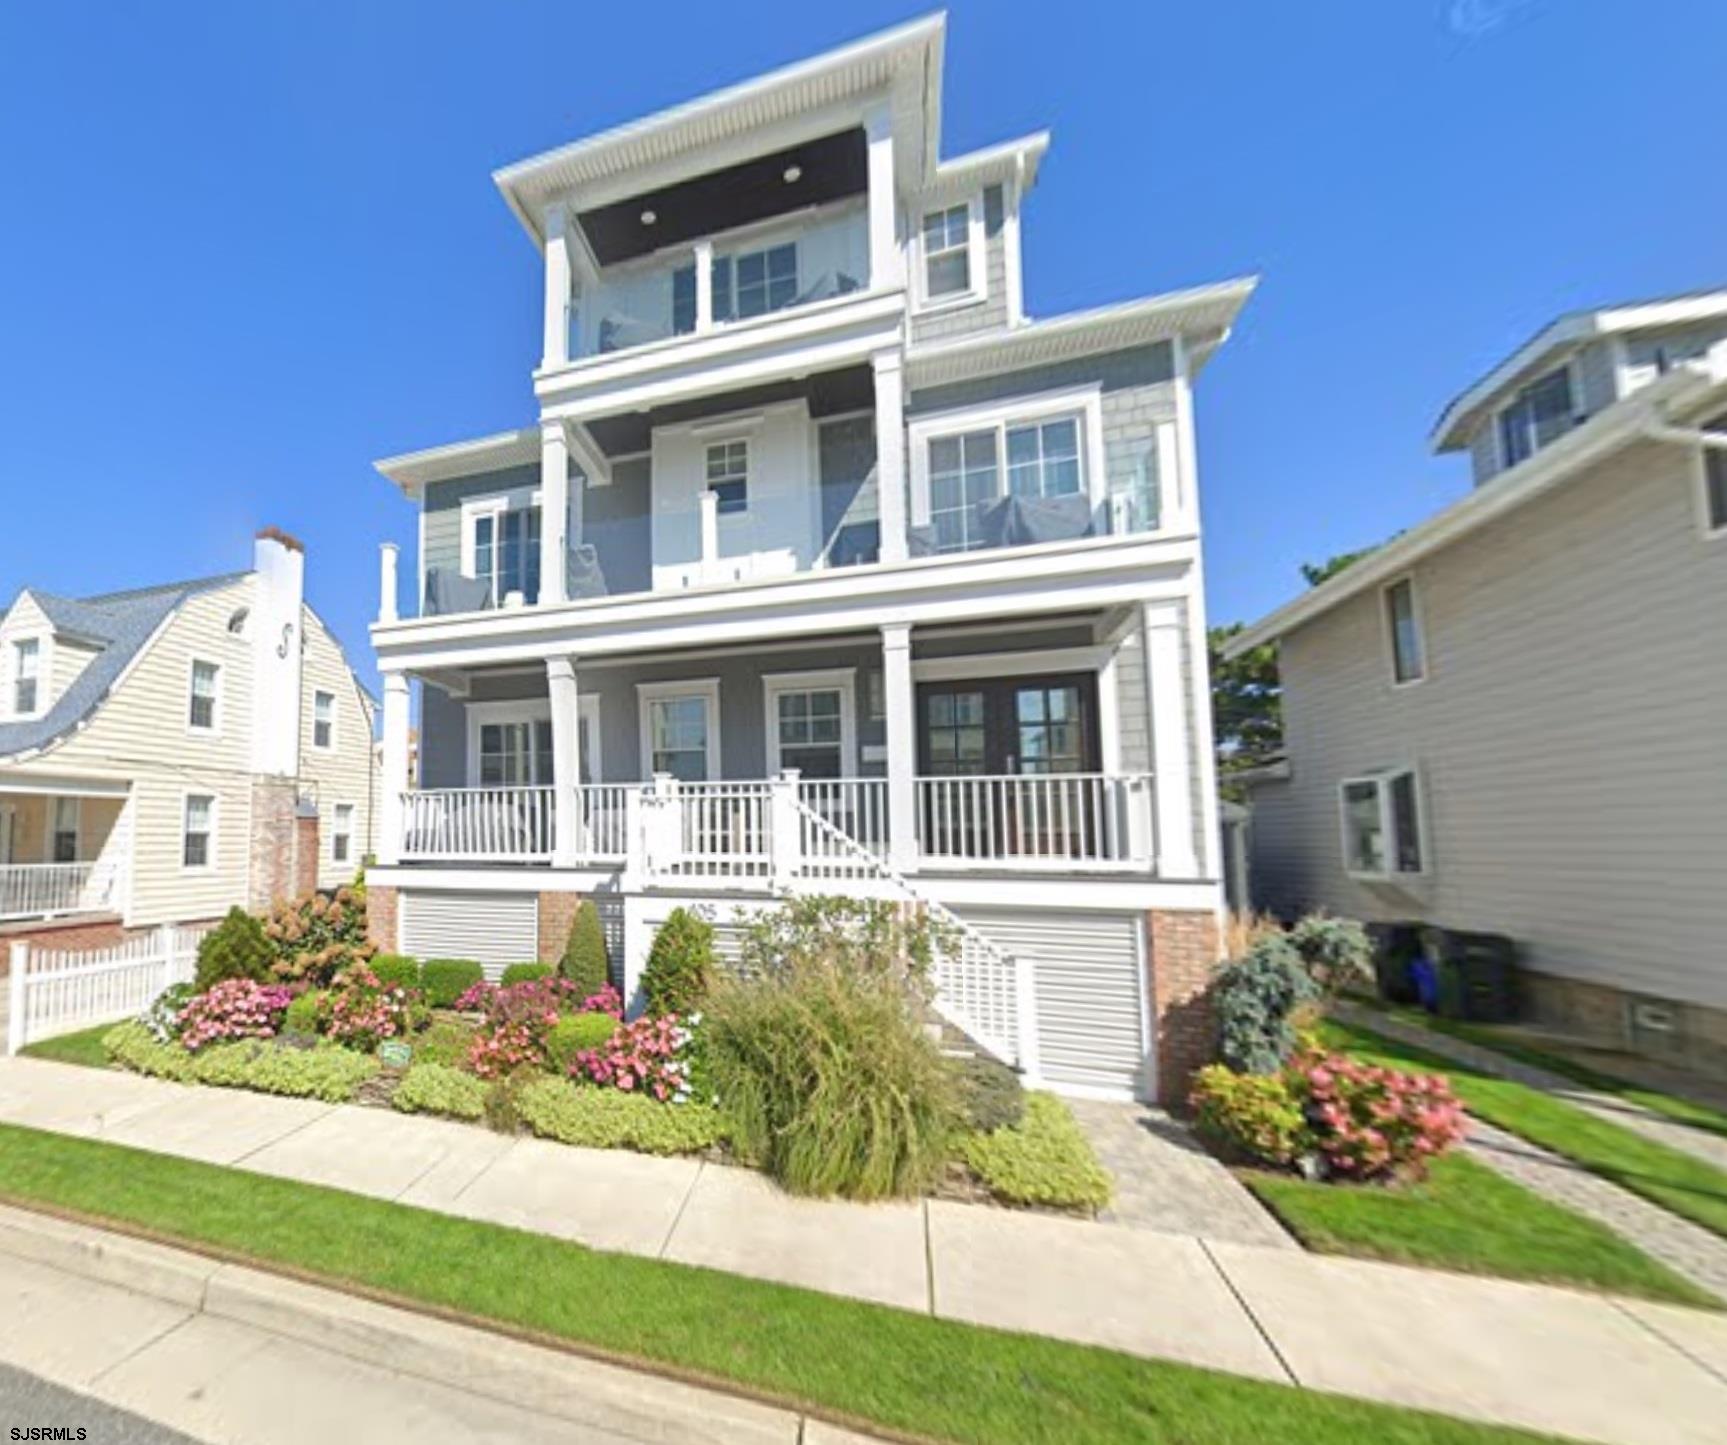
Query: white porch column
x: 890, y: 460
x: 886, y: 263
x: 388, y: 607
x: 1173, y: 802
x: 395, y: 766
x: 566, y: 761
x: 559, y: 273
x: 554, y: 509
x: 704, y: 285
x: 898, y: 697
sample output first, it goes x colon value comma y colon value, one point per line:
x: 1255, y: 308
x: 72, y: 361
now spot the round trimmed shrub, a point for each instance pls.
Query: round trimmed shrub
x: 680, y: 964
x: 446, y: 979
x: 526, y: 973
x: 235, y: 948
x: 302, y: 1015
x: 584, y: 962
x: 395, y: 971
x: 570, y: 1036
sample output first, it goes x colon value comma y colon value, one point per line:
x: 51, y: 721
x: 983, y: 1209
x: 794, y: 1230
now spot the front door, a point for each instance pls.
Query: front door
x: 1002, y: 759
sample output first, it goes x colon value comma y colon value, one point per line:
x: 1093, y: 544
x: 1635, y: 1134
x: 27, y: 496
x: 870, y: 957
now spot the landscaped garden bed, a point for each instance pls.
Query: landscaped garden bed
x: 816, y: 1061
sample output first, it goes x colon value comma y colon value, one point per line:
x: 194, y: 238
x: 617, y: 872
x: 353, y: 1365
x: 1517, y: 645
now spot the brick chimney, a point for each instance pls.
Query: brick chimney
x: 279, y: 569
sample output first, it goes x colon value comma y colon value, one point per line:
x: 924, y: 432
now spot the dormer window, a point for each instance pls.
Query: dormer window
x: 947, y: 259
x: 1543, y: 412
x: 26, y: 676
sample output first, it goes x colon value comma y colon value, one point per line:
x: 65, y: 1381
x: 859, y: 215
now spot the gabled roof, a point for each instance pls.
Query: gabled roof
x: 907, y: 58
x: 1545, y: 349
x: 117, y: 625
x: 1681, y: 397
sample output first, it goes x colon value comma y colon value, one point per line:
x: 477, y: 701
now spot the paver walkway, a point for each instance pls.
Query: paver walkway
x: 1549, y: 1359
x: 1164, y: 1180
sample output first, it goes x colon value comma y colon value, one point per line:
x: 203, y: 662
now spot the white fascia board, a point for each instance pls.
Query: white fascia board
x: 455, y: 877
x: 15, y: 779
x: 412, y: 470
x: 1604, y: 433
x: 864, y: 65
x: 1205, y: 311
x: 1055, y: 577
x: 992, y: 163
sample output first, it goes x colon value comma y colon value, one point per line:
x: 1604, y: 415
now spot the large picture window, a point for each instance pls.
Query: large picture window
x: 1382, y: 826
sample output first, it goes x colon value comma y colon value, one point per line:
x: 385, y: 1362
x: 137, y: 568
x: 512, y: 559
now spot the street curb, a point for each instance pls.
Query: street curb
x: 646, y: 1406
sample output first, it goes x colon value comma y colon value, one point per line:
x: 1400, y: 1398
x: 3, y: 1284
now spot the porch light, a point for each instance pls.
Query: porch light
x: 794, y: 174
x: 649, y: 217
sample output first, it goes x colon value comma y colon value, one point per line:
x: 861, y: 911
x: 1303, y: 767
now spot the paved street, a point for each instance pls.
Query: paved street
x: 28, y: 1401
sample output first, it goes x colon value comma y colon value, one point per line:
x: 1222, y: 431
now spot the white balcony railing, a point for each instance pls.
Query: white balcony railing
x: 42, y: 890
x: 479, y: 824
x: 1035, y: 820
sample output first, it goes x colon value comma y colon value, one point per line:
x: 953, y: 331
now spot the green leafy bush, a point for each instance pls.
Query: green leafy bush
x: 235, y: 948
x: 991, y: 1096
x: 569, y: 1036
x: 437, y: 1089
x: 395, y: 971
x: 1044, y: 1159
x: 444, y: 980
x: 610, y: 1119
x: 302, y: 1015
x: 327, y: 1073
x: 526, y: 973
x: 680, y: 964
x: 830, y: 1082
x: 445, y: 1042
x: 584, y: 962
x: 858, y: 935
x: 1337, y: 951
x: 1257, y: 1116
x: 1257, y: 998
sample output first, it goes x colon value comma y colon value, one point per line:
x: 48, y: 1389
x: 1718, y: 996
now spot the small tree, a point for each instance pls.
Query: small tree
x: 1256, y: 998
x: 584, y: 962
x: 680, y: 964
x: 235, y: 948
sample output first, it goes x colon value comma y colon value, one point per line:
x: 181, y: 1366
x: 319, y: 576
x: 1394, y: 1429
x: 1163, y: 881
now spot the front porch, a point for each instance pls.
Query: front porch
x: 64, y: 848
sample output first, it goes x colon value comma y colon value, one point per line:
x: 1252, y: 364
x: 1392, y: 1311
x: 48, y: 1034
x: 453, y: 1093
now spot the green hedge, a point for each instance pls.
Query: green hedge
x: 446, y: 979
x: 526, y: 972
x: 329, y: 1073
x: 570, y: 1036
x: 395, y: 971
x: 599, y: 1118
x: 1044, y: 1159
x: 439, y: 1089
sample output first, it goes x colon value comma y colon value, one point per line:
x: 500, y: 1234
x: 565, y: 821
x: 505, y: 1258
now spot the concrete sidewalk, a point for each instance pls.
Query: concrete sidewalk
x: 1545, y: 1358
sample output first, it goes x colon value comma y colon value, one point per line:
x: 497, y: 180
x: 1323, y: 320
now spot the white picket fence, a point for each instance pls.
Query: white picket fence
x: 55, y: 991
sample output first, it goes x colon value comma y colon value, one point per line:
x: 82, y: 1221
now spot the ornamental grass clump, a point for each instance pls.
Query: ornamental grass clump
x: 237, y: 1008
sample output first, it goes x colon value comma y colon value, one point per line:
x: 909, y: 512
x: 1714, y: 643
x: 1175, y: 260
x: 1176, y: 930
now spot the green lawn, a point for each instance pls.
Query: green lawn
x: 1513, y: 1046
x: 937, y: 1379
x: 83, y: 1047
x: 1467, y: 1217
x: 1678, y: 1182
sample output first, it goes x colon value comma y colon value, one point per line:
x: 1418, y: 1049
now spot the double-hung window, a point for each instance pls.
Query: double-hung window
x: 966, y: 473
x: 1403, y: 627
x: 728, y: 466
x: 206, y: 687
x: 26, y: 675
x: 1382, y: 826
x: 323, y: 720
x: 66, y: 817
x: 198, y: 830
x: 342, y: 833
x: 810, y: 714
x: 1543, y: 412
x: 947, y: 261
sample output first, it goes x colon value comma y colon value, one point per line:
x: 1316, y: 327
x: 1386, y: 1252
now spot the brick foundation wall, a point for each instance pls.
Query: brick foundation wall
x: 306, y: 843
x: 382, y: 908
x: 557, y: 917
x: 1182, y: 957
x: 64, y: 933
x: 271, y: 876
x: 1594, y: 1013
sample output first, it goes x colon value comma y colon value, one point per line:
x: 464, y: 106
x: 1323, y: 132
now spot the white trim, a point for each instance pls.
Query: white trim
x: 193, y: 663
x: 1012, y: 261
x: 835, y: 679
x: 593, y: 755
x: 1012, y: 664
x: 1710, y: 531
x: 513, y: 710
x: 977, y: 257
x: 707, y: 689
x: 1381, y: 783
x: 1083, y: 402
x: 212, y: 851
x: 335, y: 720
x: 501, y: 451
x: 495, y: 505
x: 1388, y: 626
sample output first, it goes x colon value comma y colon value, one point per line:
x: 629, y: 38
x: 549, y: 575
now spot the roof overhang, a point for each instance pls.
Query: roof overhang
x: 1200, y: 316
x: 1680, y: 396
x: 412, y: 470
x: 902, y: 65
x: 1012, y: 160
x: 1549, y: 346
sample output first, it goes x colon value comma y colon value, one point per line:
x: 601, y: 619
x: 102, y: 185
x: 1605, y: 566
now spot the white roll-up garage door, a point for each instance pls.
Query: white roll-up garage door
x: 1090, y: 981
x: 493, y: 929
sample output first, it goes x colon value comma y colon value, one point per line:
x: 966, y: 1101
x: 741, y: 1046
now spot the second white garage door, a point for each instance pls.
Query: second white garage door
x: 493, y: 929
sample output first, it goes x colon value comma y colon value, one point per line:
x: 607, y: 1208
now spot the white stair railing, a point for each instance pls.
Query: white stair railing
x: 981, y: 989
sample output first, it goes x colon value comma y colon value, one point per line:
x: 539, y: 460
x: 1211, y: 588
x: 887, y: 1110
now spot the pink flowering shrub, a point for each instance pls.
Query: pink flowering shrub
x: 236, y: 1008
x: 1370, y: 1122
x: 360, y: 1010
x: 649, y: 1055
x: 607, y: 1001
x: 519, y: 1017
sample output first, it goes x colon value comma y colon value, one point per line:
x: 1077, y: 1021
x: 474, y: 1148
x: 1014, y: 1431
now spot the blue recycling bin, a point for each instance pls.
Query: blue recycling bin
x: 1425, y: 976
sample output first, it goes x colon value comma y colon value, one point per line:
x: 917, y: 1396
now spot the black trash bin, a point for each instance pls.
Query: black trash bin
x: 1477, y: 974
x: 1395, y: 947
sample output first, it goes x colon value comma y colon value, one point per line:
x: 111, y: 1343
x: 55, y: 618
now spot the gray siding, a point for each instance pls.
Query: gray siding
x: 1568, y: 737
x: 991, y: 313
x: 617, y: 521
x: 443, y: 511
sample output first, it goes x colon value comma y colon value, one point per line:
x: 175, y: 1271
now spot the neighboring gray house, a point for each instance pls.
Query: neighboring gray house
x: 1514, y: 716
x: 822, y: 567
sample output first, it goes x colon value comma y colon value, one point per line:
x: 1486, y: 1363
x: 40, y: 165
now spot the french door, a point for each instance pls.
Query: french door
x: 1004, y: 763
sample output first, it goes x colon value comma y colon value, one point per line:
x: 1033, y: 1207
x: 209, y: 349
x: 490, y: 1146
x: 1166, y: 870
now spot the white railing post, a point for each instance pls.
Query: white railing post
x: 395, y: 768
x: 704, y: 286
x: 710, y: 510
x: 1025, y: 1019
x: 898, y: 695
x: 566, y: 761
x: 388, y: 606
x: 15, y: 987
x: 785, y: 828
x: 165, y: 946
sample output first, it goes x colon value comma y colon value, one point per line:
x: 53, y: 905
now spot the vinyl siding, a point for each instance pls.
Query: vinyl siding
x: 1568, y: 737
x: 989, y: 314
x: 26, y: 619
x: 69, y: 659
x: 442, y: 519
x: 344, y: 774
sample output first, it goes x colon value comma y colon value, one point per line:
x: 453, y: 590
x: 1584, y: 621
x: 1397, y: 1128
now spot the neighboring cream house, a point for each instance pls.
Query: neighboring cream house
x: 1514, y: 716
x: 169, y: 752
x: 822, y: 567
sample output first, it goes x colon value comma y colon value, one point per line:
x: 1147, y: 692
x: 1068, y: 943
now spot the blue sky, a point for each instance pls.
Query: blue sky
x: 248, y: 248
